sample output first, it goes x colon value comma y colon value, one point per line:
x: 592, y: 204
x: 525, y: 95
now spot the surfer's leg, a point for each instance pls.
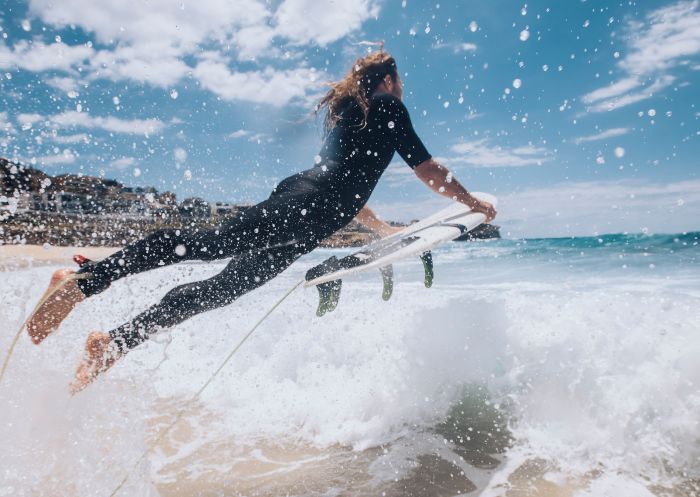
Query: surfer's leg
x: 66, y: 288
x: 243, y: 274
x: 165, y: 247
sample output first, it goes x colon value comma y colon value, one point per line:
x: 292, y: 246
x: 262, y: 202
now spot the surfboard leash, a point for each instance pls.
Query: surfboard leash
x: 42, y: 301
x: 197, y: 395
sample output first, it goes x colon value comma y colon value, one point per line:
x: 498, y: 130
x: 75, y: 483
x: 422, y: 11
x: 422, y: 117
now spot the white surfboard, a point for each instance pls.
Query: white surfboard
x: 417, y: 239
x: 445, y: 225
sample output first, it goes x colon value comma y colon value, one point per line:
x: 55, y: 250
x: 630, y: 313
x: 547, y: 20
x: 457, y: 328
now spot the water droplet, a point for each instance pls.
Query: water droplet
x: 173, y: 94
x: 79, y: 108
x: 586, y: 23
x: 137, y: 172
x: 180, y: 250
x: 616, y: 55
x: 317, y: 159
x: 188, y: 174
x: 545, y: 68
x: 72, y: 94
x: 651, y: 112
x: 473, y: 26
x: 115, y: 100
x: 517, y: 83
x: 57, y: 38
x: 524, y: 35
x: 390, y: 124
x: 619, y: 152
x: 26, y: 25
x: 446, y: 104
x: 600, y: 160
x: 427, y: 29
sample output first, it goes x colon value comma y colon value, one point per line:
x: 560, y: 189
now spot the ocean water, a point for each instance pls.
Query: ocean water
x: 545, y: 367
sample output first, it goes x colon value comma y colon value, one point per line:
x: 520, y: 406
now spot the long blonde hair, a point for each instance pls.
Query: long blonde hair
x: 358, y: 84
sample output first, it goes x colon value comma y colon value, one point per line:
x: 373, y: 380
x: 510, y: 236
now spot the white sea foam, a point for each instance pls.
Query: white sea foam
x: 594, y: 370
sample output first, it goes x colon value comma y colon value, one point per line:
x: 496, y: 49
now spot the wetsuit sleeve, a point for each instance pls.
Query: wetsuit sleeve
x: 406, y: 141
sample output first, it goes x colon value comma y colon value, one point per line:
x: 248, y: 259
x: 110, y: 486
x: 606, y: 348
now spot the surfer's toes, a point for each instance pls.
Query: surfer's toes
x: 99, y: 357
x: 59, y: 303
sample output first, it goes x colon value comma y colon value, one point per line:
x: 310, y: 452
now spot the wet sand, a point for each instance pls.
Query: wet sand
x: 19, y: 256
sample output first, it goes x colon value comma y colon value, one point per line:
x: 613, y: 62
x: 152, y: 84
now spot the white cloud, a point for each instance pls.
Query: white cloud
x: 28, y: 119
x: 481, y: 153
x: 156, y: 23
x: 456, y: 47
x: 275, y: 87
x: 308, y: 21
x: 239, y: 134
x: 180, y: 155
x: 65, y: 84
x: 261, y: 137
x: 152, y: 41
x: 614, y: 90
x: 77, y: 138
x: 629, y: 98
x: 670, y: 36
x: 5, y: 125
x: 38, y: 56
x: 609, y: 207
x: 72, y: 119
x: 603, y: 135
x: 122, y: 163
x: 65, y: 157
x: 253, y: 40
x: 157, y: 65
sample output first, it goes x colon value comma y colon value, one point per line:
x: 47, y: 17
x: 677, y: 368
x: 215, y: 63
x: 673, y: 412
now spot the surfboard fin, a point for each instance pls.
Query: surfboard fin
x: 329, y: 292
x: 328, y: 296
x: 388, y: 279
x: 427, y: 259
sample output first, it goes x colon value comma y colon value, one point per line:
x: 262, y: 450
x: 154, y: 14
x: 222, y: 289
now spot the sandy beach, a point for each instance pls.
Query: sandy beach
x: 18, y: 256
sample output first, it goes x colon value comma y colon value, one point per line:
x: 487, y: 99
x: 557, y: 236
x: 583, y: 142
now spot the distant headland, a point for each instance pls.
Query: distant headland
x: 79, y: 210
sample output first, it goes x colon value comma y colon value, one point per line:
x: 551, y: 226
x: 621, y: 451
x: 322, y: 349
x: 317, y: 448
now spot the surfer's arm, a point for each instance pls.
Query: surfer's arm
x: 442, y: 181
x: 368, y: 218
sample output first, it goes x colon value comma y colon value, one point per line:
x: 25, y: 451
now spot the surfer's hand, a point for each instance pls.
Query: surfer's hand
x: 485, y: 208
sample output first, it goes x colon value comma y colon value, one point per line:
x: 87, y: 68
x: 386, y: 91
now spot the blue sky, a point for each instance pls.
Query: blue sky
x: 582, y: 116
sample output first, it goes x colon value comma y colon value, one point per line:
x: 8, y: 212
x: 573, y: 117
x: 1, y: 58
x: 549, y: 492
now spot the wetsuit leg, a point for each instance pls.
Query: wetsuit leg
x: 244, y: 273
x: 256, y: 227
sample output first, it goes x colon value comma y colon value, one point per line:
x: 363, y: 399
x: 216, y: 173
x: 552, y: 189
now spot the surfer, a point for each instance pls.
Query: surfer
x: 365, y: 123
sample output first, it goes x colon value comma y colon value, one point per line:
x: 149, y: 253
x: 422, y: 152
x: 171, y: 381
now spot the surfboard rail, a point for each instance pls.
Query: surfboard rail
x: 416, y: 239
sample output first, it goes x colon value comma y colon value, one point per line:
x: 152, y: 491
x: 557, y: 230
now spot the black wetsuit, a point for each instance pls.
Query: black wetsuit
x: 266, y: 238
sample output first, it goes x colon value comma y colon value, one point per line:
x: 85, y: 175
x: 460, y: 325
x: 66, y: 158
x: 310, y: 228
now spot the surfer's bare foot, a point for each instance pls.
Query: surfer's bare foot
x: 49, y: 316
x: 100, y: 355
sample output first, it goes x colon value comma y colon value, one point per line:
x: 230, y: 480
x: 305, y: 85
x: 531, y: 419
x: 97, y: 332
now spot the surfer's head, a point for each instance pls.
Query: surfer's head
x: 369, y: 74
